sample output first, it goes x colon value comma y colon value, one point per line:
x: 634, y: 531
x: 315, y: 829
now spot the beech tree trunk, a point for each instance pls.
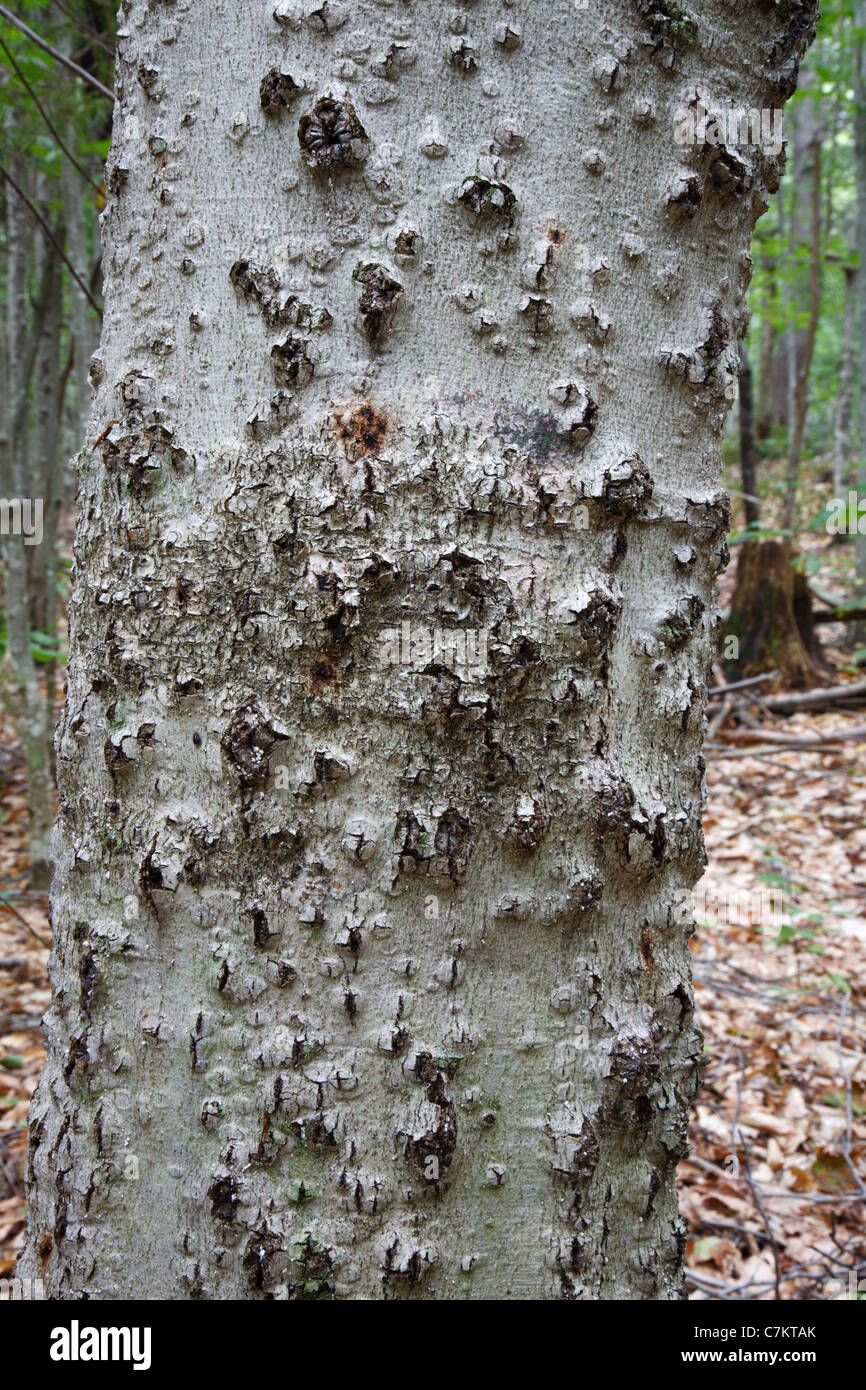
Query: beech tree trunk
x: 398, y: 532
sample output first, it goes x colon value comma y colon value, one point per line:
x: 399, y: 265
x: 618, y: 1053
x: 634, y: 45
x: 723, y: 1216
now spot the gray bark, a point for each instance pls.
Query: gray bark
x: 371, y: 970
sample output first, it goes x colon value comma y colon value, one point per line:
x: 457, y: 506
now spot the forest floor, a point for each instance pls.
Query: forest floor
x: 774, y: 1188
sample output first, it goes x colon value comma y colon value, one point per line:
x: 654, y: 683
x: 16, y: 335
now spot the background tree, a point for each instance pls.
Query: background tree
x: 50, y: 161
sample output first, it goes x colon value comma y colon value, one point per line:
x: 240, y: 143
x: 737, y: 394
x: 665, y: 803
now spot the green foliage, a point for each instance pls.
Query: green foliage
x: 44, y: 646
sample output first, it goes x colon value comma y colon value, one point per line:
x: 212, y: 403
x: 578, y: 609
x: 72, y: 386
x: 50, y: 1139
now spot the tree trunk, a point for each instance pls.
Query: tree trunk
x: 769, y: 339
x: 845, y: 394
x: 45, y: 470
x: 770, y: 618
x: 748, y: 451
x: 16, y: 483
x: 803, y: 285
x: 380, y: 768
x: 74, y: 193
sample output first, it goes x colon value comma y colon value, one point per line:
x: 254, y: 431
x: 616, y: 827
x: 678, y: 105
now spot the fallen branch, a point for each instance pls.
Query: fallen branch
x: 841, y: 610
x: 840, y: 615
x: 814, y: 699
x: 715, y: 690
x: 778, y: 740
x: 762, y: 751
x: 25, y: 924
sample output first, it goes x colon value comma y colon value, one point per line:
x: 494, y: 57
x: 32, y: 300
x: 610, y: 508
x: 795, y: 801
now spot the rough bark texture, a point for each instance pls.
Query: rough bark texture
x: 371, y: 975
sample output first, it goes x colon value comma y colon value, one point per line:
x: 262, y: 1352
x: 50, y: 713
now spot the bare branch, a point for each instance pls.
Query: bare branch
x: 55, y: 54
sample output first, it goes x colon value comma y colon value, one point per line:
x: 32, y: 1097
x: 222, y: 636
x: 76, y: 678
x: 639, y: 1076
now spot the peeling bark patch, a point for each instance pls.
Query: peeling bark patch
x: 627, y: 487
x: 150, y: 877
x: 262, y: 933
x: 785, y: 54
x: 312, y: 1273
x: 277, y: 92
x: 634, y: 1069
x: 583, y: 1157
x: 460, y: 54
x: 528, y: 825
x: 261, y: 285
x: 88, y: 976
x: 679, y: 626
x: 671, y: 26
x: 247, y: 743
x: 76, y: 1059
x: 453, y: 841
x: 543, y: 435
x: 685, y: 195
x: 261, y: 1251
x: 331, y: 135
x: 46, y: 1247
x: 223, y: 1194
x: 361, y: 430
x: 536, y: 311
x: 433, y: 1151
x: 292, y: 367
x: 728, y: 174
x: 576, y: 420
x: 143, y: 456
x: 585, y: 893
x: 487, y: 199
x: 718, y: 335
x: 406, y: 243
x: 595, y: 625
x: 380, y: 294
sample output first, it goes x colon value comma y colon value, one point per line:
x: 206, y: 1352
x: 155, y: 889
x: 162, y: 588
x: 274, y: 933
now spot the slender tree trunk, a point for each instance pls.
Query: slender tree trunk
x: 45, y: 468
x: 748, y: 470
x: 16, y: 481
x: 766, y: 367
x: 74, y: 192
x: 804, y: 288
x: 380, y: 768
x: 845, y: 393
